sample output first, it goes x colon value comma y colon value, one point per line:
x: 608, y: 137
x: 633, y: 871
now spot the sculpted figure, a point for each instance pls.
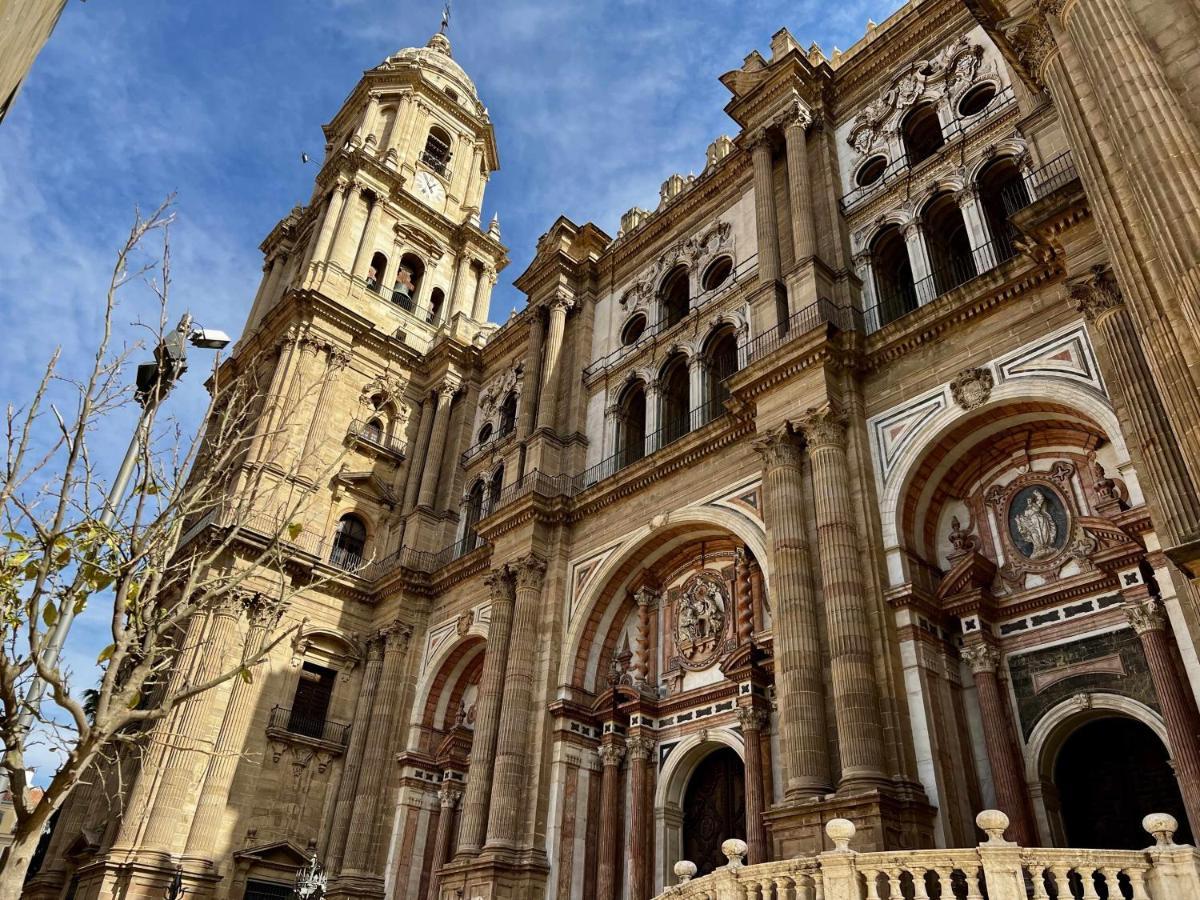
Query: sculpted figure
x: 1036, y: 525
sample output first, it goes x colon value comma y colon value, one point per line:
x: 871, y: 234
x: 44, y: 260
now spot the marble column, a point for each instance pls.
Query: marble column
x: 1012, y: 794
x: 347, y: 794
x: 333, y: 214
x: 745, y: 597
x: 449, y: 794
x: 366, y: 244
x: 766, y: 220
x: 473, y: 829
x: 363, y: 841
x: 752, y: 721
x: 795, y: 135
x: 608, y: 850
x: 551, y: 354
x: 851, y: 661
x: 513, y: 766
x: 798, y: 668
x: 1148, y: 618
x: 641, y: 761
x: 437, y: 444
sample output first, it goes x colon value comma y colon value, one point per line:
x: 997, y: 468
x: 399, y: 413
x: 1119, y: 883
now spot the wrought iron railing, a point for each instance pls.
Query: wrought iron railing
x: 1041, y: 182
x: 481, y: 447
x: 823, y: 312
x: 377, y: 437
x: 320, y: 728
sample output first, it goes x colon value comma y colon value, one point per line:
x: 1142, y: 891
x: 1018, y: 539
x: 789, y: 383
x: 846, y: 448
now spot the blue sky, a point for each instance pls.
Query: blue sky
x: 595, y: 103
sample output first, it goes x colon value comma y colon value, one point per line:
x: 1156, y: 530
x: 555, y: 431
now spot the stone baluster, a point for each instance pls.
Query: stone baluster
x: 795, y: 135
x: 551, y: 354
x: 766, y: 220
x: 851, y: 661
x: 473, y: 829
x: 641, y: 756
x: 753, y: 721
x: 1012, y: 795
x: 449, y: 794
x: 362, y: 842
x: 437, y: 444
x: 1146, y: 615
x: 513, y: 767
x: 798, y: 674
x: 611, y: 752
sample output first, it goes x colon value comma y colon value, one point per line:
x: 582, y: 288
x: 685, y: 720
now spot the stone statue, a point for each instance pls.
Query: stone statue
x: 1036, y: 525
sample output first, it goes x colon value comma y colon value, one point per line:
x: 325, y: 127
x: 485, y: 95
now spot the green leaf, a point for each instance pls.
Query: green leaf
x: 294, y: 529
x: 246, y: 676
x: 106, y: 653
x: 15, y: 536
x: 18, y: 559
x: 50, y: 614
x: 31, y: 569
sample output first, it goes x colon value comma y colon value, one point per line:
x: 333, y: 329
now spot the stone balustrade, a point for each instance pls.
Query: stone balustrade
x: 996, y: 869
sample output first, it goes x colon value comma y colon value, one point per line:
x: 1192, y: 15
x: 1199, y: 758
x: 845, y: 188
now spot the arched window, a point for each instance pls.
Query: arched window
x: 508, y: 414
x: 634, y: 329
x: 408, y: 281
x: 373, y: 431
x: 472, y: 513
x: 721, y: 360
x: 349, y: 542
x: 1002, y: 192
x: 437, y: 300
x: 436, y: 154
x: 485, y: 433
x: 676, y: 408
x: 717, y: 273
x: 376, y: 271
x: 922, y: 133
x: 948, y: 243
x: 494, y: 489
x: 895, y: 293
x: 631, y: 424
x: 673, y: 296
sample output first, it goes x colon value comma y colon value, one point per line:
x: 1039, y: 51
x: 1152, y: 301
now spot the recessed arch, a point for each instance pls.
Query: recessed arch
x: 448, y: 661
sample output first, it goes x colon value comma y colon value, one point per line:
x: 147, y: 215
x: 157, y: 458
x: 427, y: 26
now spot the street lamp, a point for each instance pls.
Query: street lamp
x: 154, y: 381
x: 311, y: 880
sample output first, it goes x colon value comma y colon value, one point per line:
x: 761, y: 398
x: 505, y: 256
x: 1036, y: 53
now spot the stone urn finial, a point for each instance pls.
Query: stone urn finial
x: 1162, y: 827
x: 735, y: 852
x: 993, y: 822
x: 685, y: 870
x: 841, y: 832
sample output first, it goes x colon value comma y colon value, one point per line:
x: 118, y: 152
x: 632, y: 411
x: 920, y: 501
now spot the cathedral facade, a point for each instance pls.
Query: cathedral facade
x: 857, y: 479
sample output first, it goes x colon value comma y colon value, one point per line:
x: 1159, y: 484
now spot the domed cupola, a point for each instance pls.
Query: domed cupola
x: 436, y: 63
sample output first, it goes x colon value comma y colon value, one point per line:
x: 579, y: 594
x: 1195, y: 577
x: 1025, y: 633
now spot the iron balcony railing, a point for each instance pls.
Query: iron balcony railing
x: 823, y: 312
x: 491, y: 443
x: 377, y: 437
x: 322, y: 729
x: 1041, y: 182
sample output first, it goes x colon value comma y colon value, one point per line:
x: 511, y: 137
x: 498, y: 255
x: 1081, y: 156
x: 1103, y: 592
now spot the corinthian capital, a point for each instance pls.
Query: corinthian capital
x: 1095, y: 296
x: 796, y: 114
x: 981, y: 658
x: 529, y: 571
x: 610, y: 754
x: 396, y: 636
x: 500, y: 584
x: 778, y: 448
x: 449, y: 794
x: 751, y: 719
x: 1146, y: 615
x: 823, y: 426
x: 640, y: 747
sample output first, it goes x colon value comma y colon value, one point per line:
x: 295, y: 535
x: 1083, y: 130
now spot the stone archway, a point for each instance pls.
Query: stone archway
x: 714, y: 808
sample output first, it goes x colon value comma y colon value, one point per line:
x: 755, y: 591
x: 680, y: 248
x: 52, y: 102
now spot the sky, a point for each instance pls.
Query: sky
x: 595, y: 103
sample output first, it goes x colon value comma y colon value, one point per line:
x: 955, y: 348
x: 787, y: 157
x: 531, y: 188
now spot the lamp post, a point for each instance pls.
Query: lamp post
x: 154, y: 382
x: 311, y: 881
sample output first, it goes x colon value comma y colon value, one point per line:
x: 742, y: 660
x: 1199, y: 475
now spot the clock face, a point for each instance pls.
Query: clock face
x: 429, y: 188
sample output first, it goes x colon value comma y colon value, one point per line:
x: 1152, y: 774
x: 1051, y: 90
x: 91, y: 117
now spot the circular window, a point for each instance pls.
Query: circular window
x: 718, y: 273
x: 976, y: 100
x: 633, y: 329
x: 871, y: 171
x: 485, y: 433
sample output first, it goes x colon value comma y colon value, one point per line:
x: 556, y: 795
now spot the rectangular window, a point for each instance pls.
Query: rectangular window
x: 268, y: 890
x: 311, y: 703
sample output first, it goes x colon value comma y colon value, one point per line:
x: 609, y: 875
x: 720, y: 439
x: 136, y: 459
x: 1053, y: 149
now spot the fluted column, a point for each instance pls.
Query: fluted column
x: 512, y: 763
x: 798, y: 680
x: 287, y: 350
x: 416, y: 462
x: 336, y: 359
x: 473, y: 829
x: 483, y: 294
x: 462, y: 275
x: 449, y: 794
x: 641, y: 756
x: 551, y: 354
x: 611, y: 752
x: 766, y: 222
x: 752, y: 721
x: 1146, y: 615
x: 437, y: 444
x: 362, y: 259
x: 333, y: 215
x: 362, y: 842
x: 343, y: 236
x: 795, y: 135
x: 1012, y: 795
x: 213, y: 793
x: 855, y: 697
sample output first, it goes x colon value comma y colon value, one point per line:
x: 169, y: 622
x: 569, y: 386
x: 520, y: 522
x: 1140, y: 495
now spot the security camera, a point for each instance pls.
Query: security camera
x: 209, y: 338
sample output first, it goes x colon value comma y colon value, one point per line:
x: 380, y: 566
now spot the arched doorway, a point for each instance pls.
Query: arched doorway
x: 714, y: 808
x: 1110, y: 773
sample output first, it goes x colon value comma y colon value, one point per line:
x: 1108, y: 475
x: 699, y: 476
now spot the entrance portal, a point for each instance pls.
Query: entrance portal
x: 1111, y: 773
x: 714, y: 809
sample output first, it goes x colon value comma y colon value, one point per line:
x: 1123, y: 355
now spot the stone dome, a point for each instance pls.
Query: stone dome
x: 435, y: 56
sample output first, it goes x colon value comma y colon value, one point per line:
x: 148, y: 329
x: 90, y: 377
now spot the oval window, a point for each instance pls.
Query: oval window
x: 485, y: 433
x: 871, y: 171
x: 718, y: 273
x: 976, y: 100
x: 633, y: 329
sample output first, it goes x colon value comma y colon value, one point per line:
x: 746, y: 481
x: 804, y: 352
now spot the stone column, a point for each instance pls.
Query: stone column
x: 483, y: 294
x: 462, y: 274
x: 336, y: 359
x: 416, y: 462
x: 870, y: 301
x: 551, y: 352
x: 1012, y: 794
x: 534, y: 364
x: 339, y: 253
x: 851, y: 662
x: 607, y: 868
x: 752, y: 721
x: 333, y: 214
x: 362, y: 259
x: 641, y: 759
x: 352, y: 766
x: 437, y: 444
x: 698, y: 412
x: 448, y: 794
x: 795, y: 134
x: 473, y: 829
x: 918, y: 261
x: 1148, y: 618
x: 798, y: 668
x: 765, y: 219
x: 362, y: 841
x: 512, y: 762
x: 640, y: 664
x: 653, y: 417
x: 983, y: 254
x: 286, y: 350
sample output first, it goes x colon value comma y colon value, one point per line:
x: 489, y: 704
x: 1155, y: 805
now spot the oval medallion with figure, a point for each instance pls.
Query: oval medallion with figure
x: 1038, y: 522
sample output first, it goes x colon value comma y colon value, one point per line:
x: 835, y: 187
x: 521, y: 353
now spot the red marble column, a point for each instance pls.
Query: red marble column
x: 641, y: 755
x: 1012, y: 795
x: 1146, y: 615
x: 752, y: 721
x: 611, y: 753
x: 449, y: 794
